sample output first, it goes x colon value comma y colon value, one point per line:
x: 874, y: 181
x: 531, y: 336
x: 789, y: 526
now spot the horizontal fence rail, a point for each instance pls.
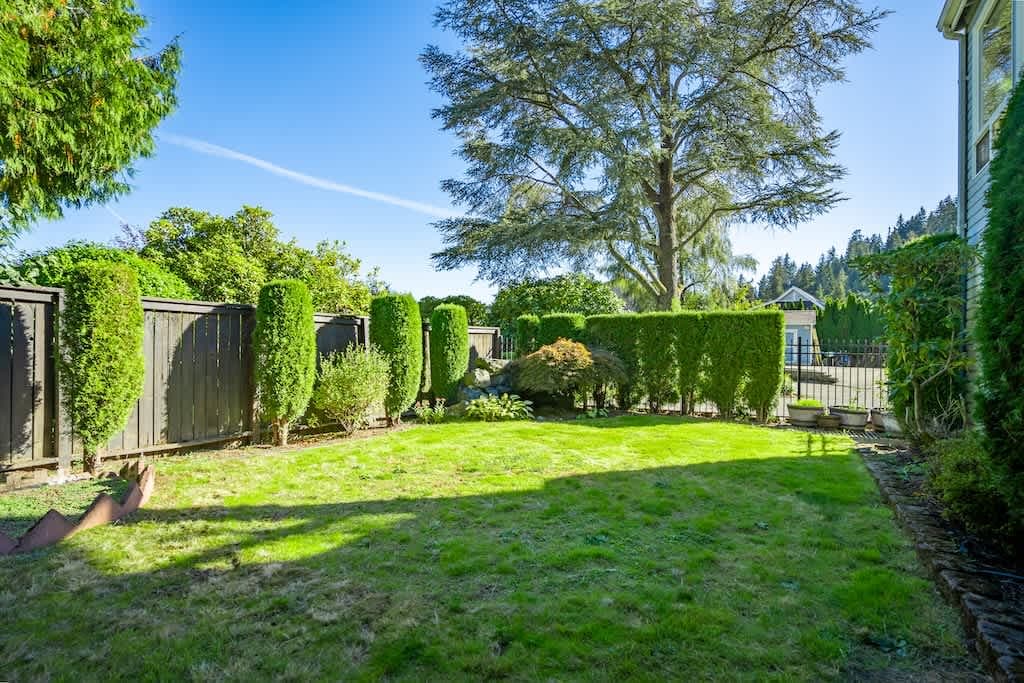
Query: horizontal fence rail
x: 198, y: 386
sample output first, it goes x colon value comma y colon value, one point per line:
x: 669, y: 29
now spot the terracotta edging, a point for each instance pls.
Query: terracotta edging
x: 987, y: 597
x: 53, y: 527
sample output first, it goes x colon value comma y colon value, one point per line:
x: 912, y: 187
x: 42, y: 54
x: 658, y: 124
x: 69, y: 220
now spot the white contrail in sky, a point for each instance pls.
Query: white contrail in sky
x: 211, y: 149
x: 120, y: 219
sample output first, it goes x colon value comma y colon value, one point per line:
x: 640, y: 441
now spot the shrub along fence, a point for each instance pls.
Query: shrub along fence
x: 198, y: 387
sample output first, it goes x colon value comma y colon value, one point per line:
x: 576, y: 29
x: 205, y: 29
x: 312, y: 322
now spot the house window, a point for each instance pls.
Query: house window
x: 982, y: 153
x: 996, y: 59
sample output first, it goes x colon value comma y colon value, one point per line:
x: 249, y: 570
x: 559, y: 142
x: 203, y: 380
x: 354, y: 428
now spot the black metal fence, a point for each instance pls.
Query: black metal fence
x: 840, y: 373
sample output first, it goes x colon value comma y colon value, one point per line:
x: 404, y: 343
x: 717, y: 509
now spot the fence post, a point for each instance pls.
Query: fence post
x: 799, y: 365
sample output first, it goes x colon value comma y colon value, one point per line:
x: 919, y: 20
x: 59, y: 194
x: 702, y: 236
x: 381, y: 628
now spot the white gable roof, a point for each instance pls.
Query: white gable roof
x: 795, y: 294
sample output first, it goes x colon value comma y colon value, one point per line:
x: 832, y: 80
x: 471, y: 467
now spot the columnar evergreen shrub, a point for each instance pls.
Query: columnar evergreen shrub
x: 616, y: 332
x: 688, y: 340
x: 449, y: 349
x: 764, y: 359
x: 1000, y: 327
x: 526, y: 333
x: 101, y: 361
x: 351, y: 384
x: 397, y: 330
x: 658, y: 367
x: 725, y: 348
x: 555, y: 326
x: 284, y: 346
x: 606, y: 370
x: 853, y: 317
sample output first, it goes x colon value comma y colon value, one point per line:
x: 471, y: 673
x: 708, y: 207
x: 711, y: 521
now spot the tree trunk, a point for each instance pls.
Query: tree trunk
x: 282, y: 432
x: 91, y: 460
x: 668, y: 240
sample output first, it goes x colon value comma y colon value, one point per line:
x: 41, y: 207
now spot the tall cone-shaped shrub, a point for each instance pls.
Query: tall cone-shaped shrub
x: 397, y: 330
x: 449, y: 350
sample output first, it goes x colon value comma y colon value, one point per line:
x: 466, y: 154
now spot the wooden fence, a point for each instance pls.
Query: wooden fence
x: 198, y: 386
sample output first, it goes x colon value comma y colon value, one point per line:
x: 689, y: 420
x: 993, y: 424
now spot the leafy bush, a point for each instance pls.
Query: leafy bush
x: 688, y: 342
x: 973, y: 488
x: 574, y: 293
x: 1000, y: 327
x: 53, y: 267
x: 555, y: 326
x: 490, y: 408
x: 606, y: 370
x: 557, y: 370
x: 476, y: 311
x: 526, y: 333
x: 397, y: 330
x: 102, y: 366
x: 449, y: 350
x: 284, y: 346
x: 765, y: 359
x: 617, y: 334
x: 659, y: 376
x: 351, y: 385
x: 431, y: 414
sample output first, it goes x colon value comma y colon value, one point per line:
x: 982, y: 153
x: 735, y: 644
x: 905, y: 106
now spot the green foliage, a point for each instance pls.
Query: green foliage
x: 101, y: 361
x: 351, y: 385
x: 397, y: 329
x: 975, y: 489
x: 617, y: 334
x: 606, y: 371
x: 725, y: 347
x: 284, y: 348
x: 555, y: 326
x: 928, y: 360
x: 476, y: 311
x: 53, y: 267
x: 557, y: 369
x: 807, y: 403
x: 490, y: 408
x: 527, y: 327
x: 688, y: 340
x: 230, y: 258
x: 431, y: 414
x: 78, y: 104
x: 659, y: 371
x: 449, y: 350
x: 574, y: 293
x: 764, y: 359
x: 844, y: 319
x: 1000, y: 327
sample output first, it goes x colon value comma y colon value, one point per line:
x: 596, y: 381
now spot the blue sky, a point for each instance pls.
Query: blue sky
x: 334, y: 91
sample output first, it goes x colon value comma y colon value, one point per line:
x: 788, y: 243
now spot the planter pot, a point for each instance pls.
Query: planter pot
x: 829, y: 421
x: 804, y: 416
x: 852, y: 418
x: 877, y: 419
x: 891, y: 424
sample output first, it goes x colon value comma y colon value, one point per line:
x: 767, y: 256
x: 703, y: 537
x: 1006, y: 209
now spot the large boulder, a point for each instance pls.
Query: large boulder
x: 478, y: 378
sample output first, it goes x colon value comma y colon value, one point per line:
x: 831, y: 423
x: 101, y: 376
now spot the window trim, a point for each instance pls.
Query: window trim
x: 983, y: 128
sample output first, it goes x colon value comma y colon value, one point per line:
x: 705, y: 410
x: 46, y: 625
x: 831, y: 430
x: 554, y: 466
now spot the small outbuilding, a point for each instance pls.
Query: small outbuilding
x: 801, y: 311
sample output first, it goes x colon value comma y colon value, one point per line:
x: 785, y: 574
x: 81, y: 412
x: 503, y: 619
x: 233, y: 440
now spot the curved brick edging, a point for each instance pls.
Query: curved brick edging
x: 990, y: 598
x: 53, y: 527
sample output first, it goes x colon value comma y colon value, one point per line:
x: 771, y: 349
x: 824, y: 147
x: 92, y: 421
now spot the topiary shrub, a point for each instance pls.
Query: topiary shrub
x: 1000, y: 327
x: 351, y: 384
x: 284, y: 348
x: 554, y: 372
x: 526, y: 333
x: 725, y: 348
x: 657, y: 354
x: 397, y: 330
x: 449, y: 350
x: 102, y: 366
x: 617, y: 334
x: 764, y: 360
x: 555, y: 326
x: 689, y: 344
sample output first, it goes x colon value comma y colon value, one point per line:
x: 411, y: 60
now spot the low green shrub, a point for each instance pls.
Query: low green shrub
x: 351, y: 385
x: 807, y: 403
x: 284, y: 347
x: 431, y: 414
x: 558, y: 370
x: 490, y: 408
x: 555, y: 326
x: 659, y: 373
x: 616, y: 333
x: 449, y: 350
x: 102, y: 366
x: 397, y: 330
x: 526, y: 333
x: 972, y: 488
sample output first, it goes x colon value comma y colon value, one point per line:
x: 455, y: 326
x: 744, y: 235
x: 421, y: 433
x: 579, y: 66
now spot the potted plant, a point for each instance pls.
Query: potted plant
x: 852, y: 415
x: 804, y: 413
x: 828, y: 421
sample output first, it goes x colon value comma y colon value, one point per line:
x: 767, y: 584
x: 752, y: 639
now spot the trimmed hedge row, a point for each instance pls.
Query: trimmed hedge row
x: 526, y: 333
x: 555, y: 326
x: 449, y: 349
x: 727, y: 357
x: 397, y: 330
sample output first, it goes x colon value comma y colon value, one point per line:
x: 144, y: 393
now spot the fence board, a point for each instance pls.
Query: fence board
x: 23, y: 396
x: 209, y: 359
x: 6, y: 383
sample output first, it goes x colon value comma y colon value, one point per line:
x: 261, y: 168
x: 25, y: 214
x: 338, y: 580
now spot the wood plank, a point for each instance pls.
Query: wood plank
x: 198, y: 382
x: 210, y: 376
x: 6, y: 388
x: 22, y: 382
x: 183, y: 388
x: 236, y: 390
x: 250, y: 420
x: 161, y: 361
x: 223, y: 370
x: 40, y: 359
x: 51, y: 395
x: 146, y: 421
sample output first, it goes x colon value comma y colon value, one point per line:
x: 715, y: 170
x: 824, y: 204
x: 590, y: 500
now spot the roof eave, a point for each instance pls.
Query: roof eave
x: 950, y: 19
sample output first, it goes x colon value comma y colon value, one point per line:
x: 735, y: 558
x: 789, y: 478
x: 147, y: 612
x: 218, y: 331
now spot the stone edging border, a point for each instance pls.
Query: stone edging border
x: 988, y: 598
x: 53, y: 527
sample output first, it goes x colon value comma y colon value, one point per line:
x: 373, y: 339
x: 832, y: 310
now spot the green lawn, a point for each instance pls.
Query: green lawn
x: 644, y: 548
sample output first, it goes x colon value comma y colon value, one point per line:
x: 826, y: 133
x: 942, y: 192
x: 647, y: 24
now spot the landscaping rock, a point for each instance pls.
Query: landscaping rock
x: 470, y: 393
x: 479, y: 378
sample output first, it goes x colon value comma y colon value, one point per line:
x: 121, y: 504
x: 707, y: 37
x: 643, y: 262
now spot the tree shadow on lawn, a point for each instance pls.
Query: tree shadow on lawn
x: 782, y: 568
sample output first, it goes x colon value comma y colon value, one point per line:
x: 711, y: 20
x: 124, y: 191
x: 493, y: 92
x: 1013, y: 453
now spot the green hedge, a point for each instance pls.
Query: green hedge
x: 449, y: 349
x: 397, y: 330
x: 284, y: 346
x: 658, y: 378
x: 765, y: 360
x: 616, y: 332
x: 101, y: 362
x: 526, y: 334
x: 725, y: 346
x: 555, y: 326
x: 688, y: 341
